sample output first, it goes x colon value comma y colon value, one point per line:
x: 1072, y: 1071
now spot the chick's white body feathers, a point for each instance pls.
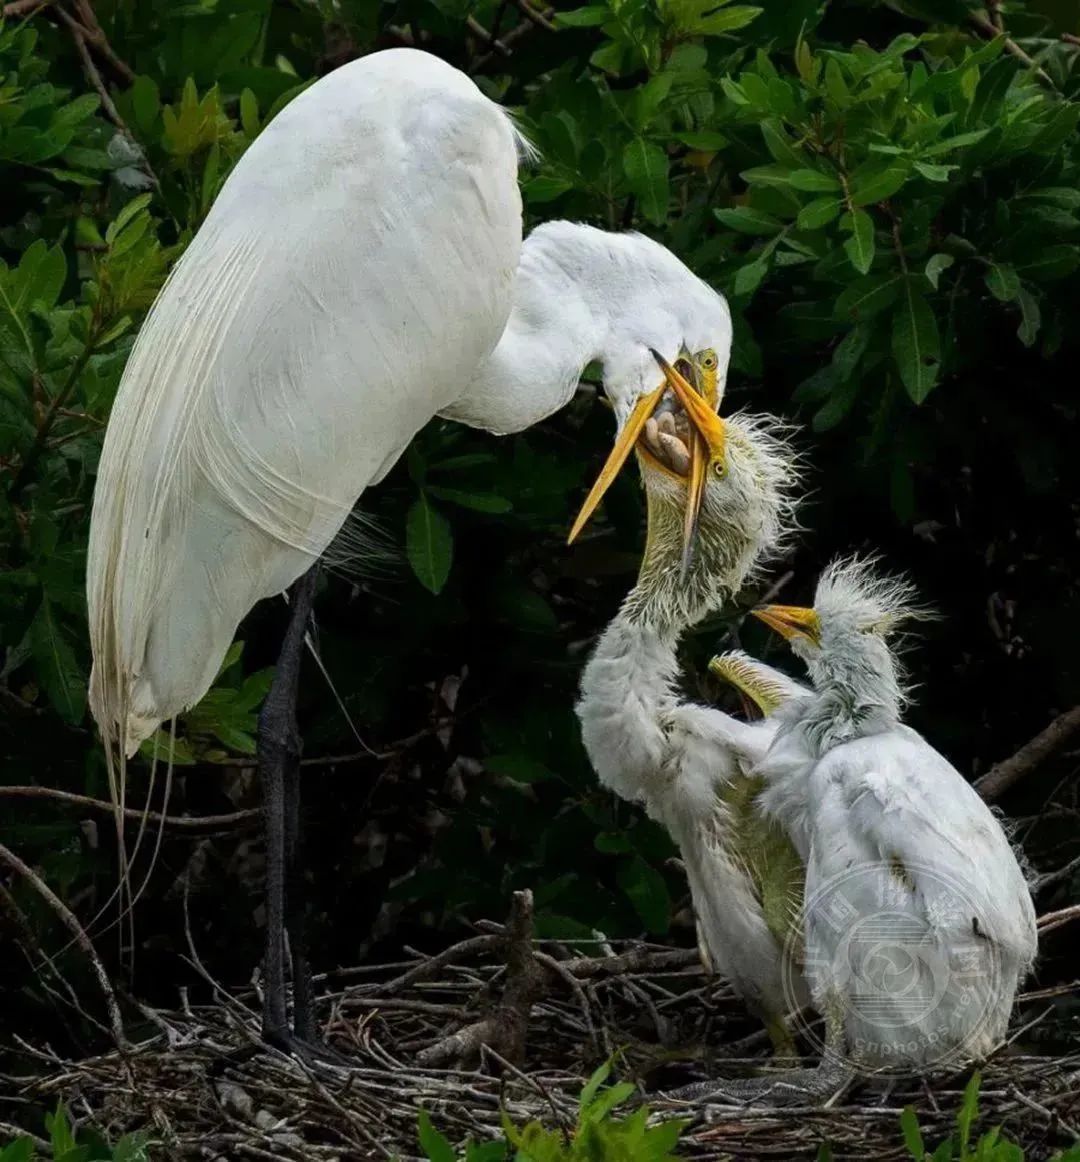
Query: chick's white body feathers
x: 919, y: 925
x: 938, y: 928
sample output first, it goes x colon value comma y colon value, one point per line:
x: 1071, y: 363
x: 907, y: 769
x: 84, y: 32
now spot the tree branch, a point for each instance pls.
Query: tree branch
x: 1001, y: 777
x: 67, y: 918
x: 181, y: 822
x: 990, y: 31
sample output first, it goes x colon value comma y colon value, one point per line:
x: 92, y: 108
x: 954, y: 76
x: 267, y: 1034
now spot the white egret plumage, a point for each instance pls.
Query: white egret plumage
x: 916, y: 925
x: 686, y: 763
x: 361, y: 271
x: 938, y: 927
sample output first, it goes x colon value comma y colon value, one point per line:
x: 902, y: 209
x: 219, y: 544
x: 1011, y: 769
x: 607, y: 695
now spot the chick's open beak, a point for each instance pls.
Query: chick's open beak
x: 791, y: 621
x: 707, y: 449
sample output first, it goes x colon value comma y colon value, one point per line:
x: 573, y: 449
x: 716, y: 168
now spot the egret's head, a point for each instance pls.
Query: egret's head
x: 666, y: 353
x: 743, y: 514
x: 846, y: 638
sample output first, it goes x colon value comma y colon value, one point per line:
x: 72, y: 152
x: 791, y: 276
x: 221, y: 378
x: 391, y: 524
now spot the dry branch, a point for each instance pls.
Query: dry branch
x: 182, y: 822
x: 1001, y: 777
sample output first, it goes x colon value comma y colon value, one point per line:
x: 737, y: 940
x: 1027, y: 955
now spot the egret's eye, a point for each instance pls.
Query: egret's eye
x: 718, y: 469
x: 707, y: 360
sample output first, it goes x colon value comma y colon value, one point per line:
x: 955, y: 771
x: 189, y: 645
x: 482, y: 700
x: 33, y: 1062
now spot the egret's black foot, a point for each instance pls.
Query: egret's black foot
x: 792, y: 1087
x: 310, y: 1050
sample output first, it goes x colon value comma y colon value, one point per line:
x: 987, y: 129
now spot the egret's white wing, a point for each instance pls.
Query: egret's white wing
x: 355, y: 270
x: 918, y: 912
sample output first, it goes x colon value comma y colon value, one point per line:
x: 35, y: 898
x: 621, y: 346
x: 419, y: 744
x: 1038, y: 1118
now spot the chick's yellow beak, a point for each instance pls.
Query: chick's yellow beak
x: 791, y: 621
x: 707, y: 449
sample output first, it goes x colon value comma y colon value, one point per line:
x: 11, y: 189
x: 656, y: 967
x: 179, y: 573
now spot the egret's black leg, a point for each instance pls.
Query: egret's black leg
x: 279, y: 761
x: 295, y: 919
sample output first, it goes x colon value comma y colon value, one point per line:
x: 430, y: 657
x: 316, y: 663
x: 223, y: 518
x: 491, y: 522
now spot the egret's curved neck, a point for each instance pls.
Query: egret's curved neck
x: 566, y: 289
x: 859, y: 693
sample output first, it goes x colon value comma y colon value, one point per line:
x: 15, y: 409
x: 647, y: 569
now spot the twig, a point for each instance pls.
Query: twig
x: 1057, y: 919
x: 19, y: 8
x: 430, y: 967
x: 69, y: 921
x: 1001, y: 777
x: 95, y: 34
x: 479, y: 30
x: 505, y: 1027
x: 988, y: 29
x: 538, y: 18
x: 183, y: 822
x: 509, y: 38
x: 22, y: 477
x: 1048, y: 878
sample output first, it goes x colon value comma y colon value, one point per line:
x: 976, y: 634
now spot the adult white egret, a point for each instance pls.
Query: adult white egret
x: 686, y: 763
x: 361, y: 271
x: 918, y: 923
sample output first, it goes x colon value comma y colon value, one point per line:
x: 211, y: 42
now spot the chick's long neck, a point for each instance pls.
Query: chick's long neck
x: 629, y: 684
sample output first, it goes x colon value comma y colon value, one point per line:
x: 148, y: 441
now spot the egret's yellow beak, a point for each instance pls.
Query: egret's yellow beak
x: 707, y: 449
x: 791, y: 621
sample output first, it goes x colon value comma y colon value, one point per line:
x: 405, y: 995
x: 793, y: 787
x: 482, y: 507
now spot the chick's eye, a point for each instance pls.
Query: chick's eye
x: 708, y: 360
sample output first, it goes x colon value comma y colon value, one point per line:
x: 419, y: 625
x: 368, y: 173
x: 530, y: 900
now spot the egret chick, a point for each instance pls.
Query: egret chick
x: 678, y: 759
x: 918, y: 925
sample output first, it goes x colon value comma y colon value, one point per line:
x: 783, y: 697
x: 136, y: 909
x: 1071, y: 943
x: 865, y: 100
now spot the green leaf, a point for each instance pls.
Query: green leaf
x: 545, y: 188
x: 868, y: 296
x: 21, y: 1150
x: 608, y: 1100
x: 437, y: 1147
x: 590, y: 16
x: 127, y: 214
x: 249, y: 114
x: 146, y: 102
x: 969, y: 1107
x: 780, y: 146
x: 875, y: 182
x: 813, y: 181
x: 1002, y: 282
x: 916, y: 344
x: 820, y: 212
x: 1030, y: 317
x: 592, y: 1087
x: 727, y: 20
x: 936, y: 265
x: 647, y: 891
x: 519, y: 767
x: 749, y: 277
x: 61, y: 1137
x: 646, y: 167
x: 748, y: 220
x: 934, y: 173
x: 1050, y: 263
x: 957, y: 142
x: 478, y: 501
x: 767, y: 175
x: 59, y: 671
x: 429, y: 544
x: 706, y: 141
x: 860, y: 246
x: 909, y: 1124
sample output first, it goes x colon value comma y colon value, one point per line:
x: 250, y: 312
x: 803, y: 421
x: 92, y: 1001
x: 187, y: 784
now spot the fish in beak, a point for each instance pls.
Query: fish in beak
x: 791, y: 622
x: 707, y: 447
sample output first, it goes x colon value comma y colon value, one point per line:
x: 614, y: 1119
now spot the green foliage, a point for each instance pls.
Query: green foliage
x: 68, y: 1145
x: 960, y: 1146
x: 598, y: 1136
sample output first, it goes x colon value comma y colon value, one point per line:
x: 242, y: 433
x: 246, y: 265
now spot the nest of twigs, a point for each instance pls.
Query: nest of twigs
x: 501, y: 1022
